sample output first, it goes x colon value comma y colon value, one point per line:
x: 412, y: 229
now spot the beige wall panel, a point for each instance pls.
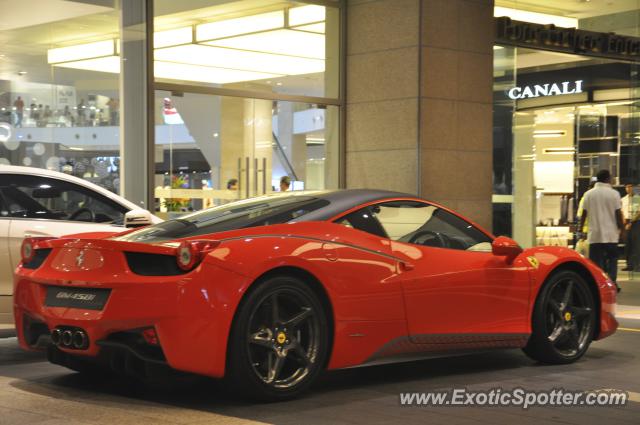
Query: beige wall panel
x: 382, y: 125
x: 385, y: 75
x: 382, y: 25
x: 385, y: 169
x: 439, y: 123
x: 439, y: 73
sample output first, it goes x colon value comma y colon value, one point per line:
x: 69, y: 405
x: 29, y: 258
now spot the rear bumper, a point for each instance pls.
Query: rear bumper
x: 608, y: 322
x: 190, y: 313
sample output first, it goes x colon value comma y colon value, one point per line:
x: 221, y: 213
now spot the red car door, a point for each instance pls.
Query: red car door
x: 465, y: 292
x: 455, y: 285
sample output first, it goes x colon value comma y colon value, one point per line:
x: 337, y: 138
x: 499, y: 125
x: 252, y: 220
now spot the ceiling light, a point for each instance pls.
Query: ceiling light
x: 315, y: 140
x: 559, y: 151
x: 173, y: 37
x: 238, y: 26
x: 306, y: 15
x: 109, y: 64
x: 529, y: 157
x: 535, y: 17
x: 247, y: 48
x: 205, y: 55
x: 82, y: 51
x: 282, y: 42
x: 173, y: 71
x: 318, y: 28
x: 205, y: 74
x: 625, y: 103
x: 548, y: 133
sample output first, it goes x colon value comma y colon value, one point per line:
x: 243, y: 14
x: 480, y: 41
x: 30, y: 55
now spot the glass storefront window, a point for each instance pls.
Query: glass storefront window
x: 286, y: 47
x: 213, y: 149
x: 246, y: 95
x: 59, y: 109
x: 270, y: 64
x: 560, y: 117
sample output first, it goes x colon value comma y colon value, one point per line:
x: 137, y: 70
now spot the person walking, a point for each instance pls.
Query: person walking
x: 602, y: 206
x: 19, y: 105
x: 581, y: 244
x: 114, y: 111
x: 630, y: 204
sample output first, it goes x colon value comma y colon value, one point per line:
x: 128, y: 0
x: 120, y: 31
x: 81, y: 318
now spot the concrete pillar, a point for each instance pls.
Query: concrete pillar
x: 232, y: 126
x: 419, y: 100
x: 382, y: 94
x: 260, y: 139
x: 456, y: 133
x: 133, y: 133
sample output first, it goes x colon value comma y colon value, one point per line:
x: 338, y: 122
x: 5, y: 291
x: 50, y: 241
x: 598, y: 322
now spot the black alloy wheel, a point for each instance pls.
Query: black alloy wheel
x: 563, y: 320
x: 279, y: 340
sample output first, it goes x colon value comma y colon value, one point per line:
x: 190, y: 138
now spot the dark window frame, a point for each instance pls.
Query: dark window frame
x: 21, y: 180
x: 484, y: 237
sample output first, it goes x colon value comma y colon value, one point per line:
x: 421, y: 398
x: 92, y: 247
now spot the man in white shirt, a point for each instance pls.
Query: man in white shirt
x: 602, y: 205
x: 630, y: 203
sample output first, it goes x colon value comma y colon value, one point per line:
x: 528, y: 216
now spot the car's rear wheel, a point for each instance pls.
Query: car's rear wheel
x: 563, y: 320
x: 279, y: 340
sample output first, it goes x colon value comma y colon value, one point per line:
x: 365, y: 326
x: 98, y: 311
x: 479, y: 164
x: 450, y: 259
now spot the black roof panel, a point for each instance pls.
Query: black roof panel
x: 344, y: 199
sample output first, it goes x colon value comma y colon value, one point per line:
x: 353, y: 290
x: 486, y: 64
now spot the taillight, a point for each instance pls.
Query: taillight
x: 29, y: 246
x: 27, y: 250
x: 190, y: 253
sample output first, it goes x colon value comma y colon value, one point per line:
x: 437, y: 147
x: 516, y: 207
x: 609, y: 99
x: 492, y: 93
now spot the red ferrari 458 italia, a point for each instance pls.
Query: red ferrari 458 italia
x: 268, y: 292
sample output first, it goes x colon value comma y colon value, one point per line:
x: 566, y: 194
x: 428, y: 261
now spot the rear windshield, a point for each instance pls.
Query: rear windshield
x: 236, y: 215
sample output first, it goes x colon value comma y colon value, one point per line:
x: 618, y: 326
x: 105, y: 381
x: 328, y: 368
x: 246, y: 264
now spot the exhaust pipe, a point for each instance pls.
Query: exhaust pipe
x: 70, y: 338
x: 56, y: 336
x: 79, y: 340
x: 67, y: 338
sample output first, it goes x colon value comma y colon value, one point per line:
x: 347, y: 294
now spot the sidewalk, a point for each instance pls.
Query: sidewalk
x: 630, y: 293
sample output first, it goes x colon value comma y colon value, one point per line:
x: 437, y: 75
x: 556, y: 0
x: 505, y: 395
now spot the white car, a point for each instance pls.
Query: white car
x: 36, y: 202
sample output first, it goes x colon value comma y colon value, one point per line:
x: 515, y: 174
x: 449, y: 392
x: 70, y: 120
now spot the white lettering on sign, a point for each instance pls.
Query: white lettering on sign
x: 548, y: 89
x: 75, y: 296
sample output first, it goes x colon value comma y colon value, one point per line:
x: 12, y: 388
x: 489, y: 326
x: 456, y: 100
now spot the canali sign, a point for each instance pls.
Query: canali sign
x: 548, y: 89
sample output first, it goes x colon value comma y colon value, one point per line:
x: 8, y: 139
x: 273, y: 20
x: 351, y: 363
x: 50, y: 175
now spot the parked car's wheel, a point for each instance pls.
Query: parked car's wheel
x: 563, y: 320
x: 279, y: 340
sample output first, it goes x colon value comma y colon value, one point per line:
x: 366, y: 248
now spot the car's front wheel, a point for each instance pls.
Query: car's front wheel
x: 563, y: 320
x: 279, y: 340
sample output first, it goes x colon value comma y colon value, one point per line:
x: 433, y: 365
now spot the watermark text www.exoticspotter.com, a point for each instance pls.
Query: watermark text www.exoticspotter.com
x: 518, y: 397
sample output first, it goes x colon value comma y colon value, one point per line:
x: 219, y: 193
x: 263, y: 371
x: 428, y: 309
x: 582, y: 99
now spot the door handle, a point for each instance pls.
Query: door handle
x: 405, y: 266
x: 330, y: 251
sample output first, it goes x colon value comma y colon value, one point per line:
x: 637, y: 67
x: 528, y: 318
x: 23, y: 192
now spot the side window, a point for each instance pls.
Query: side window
x: 41, y: 197
x: 423, y: 224
x: 364, y: 219
x: 18, y: 204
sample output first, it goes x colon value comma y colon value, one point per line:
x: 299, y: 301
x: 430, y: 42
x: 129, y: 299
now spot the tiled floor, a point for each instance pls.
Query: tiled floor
x: 35, y: 392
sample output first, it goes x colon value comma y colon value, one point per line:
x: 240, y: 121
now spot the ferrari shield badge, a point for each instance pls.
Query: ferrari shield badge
x: 533, y: 261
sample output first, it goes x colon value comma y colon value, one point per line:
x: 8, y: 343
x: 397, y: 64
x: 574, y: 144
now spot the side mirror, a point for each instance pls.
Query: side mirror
x: 137, y: 218
x: 503, y: 246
